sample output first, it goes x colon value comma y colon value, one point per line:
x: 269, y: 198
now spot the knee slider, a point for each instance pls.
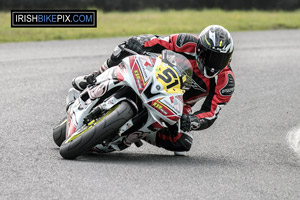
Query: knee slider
x: 184, y: 143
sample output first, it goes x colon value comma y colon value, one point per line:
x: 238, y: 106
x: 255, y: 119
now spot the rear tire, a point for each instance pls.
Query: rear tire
x: 105, y: 128
x: 59, y: 132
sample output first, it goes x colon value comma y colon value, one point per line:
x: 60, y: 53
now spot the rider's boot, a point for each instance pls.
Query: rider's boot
x: 81, y: 82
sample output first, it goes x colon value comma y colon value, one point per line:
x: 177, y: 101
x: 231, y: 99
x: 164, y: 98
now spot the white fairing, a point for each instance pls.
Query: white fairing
x: 156, y: 88
x: 163, y: 107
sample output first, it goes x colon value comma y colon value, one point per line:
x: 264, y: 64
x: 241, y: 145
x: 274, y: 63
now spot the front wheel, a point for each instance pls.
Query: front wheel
x: 104, y: 128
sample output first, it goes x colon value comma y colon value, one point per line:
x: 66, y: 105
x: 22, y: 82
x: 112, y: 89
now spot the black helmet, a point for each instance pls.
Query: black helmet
x: 214, y: 50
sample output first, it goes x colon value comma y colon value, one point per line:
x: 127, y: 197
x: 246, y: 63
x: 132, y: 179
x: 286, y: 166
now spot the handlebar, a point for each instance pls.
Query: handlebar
x: 123, y: 48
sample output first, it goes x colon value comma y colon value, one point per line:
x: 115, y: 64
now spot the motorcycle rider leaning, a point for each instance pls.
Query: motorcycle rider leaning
x: 210, y: 56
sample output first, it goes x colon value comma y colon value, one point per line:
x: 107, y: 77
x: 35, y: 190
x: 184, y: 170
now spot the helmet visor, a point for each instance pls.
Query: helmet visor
x: 216, y: 60
x: 212, y: 61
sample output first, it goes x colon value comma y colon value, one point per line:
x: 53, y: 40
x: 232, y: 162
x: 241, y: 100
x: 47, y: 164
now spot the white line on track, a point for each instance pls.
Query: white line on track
x: 293, y: 138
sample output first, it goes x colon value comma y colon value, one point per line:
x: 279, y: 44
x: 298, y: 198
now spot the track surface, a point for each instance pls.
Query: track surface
x: 244, y: 155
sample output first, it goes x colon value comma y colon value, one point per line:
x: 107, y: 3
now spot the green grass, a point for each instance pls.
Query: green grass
x: 113, y: 24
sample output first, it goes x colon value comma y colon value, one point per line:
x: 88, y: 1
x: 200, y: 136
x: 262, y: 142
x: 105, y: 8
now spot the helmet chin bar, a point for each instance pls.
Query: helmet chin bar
x: 206, y: 75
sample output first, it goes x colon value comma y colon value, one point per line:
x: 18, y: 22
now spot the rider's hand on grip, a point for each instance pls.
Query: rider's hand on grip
x: 135, y: 44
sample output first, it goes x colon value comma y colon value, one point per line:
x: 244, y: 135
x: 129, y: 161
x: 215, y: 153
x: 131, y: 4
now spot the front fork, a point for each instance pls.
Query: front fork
x: 73, y: 94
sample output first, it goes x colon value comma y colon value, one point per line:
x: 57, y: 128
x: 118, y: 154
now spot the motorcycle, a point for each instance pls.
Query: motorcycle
x: 124, y: 104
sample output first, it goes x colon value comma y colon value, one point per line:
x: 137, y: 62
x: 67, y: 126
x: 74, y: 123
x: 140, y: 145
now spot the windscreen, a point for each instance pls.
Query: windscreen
x: 181, y: 64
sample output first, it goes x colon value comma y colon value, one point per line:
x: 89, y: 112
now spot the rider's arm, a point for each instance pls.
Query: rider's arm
x: 182, y: 42
x: 157, y: 43
x: 150, y: 43
x: 140, y: 43
x: 221, y: 90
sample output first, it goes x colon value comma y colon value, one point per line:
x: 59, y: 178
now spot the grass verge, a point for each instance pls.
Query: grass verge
x: 112, y: 24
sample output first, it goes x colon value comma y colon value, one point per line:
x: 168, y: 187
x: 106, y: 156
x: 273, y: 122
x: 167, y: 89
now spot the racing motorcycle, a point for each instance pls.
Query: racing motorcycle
x: 124, y: 104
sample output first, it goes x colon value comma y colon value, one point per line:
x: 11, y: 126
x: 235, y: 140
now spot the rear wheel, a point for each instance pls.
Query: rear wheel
x: 97, y: 131
x: 59, y: 132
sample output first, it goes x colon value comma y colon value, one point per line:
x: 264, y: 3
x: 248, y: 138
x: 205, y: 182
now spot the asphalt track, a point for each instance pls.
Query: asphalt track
x: 244, y: 155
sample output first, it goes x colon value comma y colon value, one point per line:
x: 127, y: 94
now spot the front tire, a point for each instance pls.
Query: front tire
x: 59, y: 132
x: 95, y: 133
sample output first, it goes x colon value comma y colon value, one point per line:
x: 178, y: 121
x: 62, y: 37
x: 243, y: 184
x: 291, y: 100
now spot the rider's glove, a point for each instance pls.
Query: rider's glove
x: 136, y: 44
x: 190, y: 122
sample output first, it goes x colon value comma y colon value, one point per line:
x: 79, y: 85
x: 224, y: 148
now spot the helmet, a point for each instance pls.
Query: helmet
x: 213, y: 51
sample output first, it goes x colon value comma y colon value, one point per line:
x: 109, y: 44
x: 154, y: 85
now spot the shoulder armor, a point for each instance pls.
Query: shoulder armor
x: 228, y: 89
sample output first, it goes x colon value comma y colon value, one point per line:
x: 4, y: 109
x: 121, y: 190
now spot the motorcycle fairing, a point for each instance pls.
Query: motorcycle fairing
x: 141, y: 73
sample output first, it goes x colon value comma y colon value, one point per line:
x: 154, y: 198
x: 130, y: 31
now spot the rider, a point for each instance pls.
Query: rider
x: 210, y: 56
